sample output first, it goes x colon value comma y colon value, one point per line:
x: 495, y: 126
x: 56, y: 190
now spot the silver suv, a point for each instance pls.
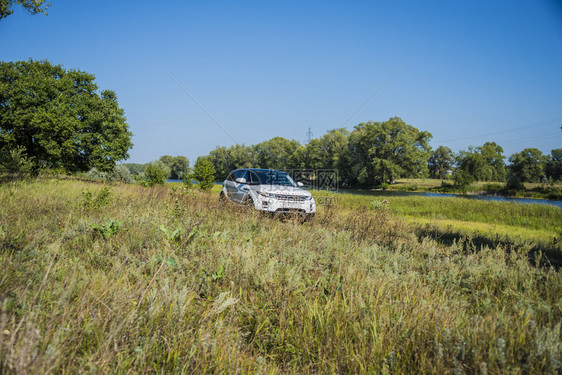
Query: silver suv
x: 268, y: 190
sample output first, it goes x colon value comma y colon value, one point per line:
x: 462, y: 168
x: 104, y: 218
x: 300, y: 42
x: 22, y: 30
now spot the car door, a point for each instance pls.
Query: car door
x: 240, y: 190
x: 229, y: 186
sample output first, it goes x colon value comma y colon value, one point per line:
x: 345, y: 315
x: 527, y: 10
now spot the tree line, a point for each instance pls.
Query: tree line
x: 378, y: 153
x: 58, y: 119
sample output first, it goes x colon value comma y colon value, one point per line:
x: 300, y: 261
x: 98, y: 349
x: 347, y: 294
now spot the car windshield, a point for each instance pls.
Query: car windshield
x: 274, y: 178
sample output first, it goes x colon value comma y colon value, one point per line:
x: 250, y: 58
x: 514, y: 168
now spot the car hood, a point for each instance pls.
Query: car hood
x: 289, y: 190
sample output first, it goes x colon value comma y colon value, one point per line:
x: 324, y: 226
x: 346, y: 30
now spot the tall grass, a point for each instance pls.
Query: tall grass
x: 186, y: 285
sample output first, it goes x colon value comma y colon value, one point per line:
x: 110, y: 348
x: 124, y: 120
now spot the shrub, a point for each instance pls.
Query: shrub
x: 462, y: 179
x: 204, y: 173
x: 122, y: 174
x: 16, y: 162
x: 107, y: 228
x: 156, y: 173
x: 94, y: 174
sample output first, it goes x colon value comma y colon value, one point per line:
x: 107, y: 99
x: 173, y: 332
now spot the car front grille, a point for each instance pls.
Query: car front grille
x: 290, y: 198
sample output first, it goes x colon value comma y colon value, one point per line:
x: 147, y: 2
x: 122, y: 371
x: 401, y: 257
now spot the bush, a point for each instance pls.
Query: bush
x: 462, y: 179
x: 16, y: 162
x: 94, y: 174
x: 121, y: 174
x: 204, y: 173
x: 156, y: 173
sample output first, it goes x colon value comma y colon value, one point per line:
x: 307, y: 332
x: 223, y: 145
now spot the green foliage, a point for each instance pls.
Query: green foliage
x: 553, y: 167
x: 275, y: 153
x: 179, y: 166
x: 60, y: 118
x: 31, y: 6
x: 15, y: 162
x: 204, y: 173
x: 121, y: 174
x: 484, y: 163
x: 134, y: 168
x: 94, y: 174
x: 173, y: 236
x: 462, y: 178
x: 528, y: 165
x: 234, y: 157
x: 156, y: 173
x: 440, y: 162
x: 381, y: 152
x: 95, y: 202
x: 378, y: 204
x: 107, y: 229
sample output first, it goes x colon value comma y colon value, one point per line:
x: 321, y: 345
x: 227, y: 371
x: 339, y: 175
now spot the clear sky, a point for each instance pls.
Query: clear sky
x: 475, y: 71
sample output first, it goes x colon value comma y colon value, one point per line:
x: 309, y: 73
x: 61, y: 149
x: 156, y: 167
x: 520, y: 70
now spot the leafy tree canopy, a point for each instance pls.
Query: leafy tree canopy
x: 275, y: 153
x: 31, y: 6
x: 179, y: 166
x: 440, y: 162
x: 484, y: 163
x: 554, y: 165
x: 226, y: 159
x: 528, y: 165
x: 381, y: 152
x: 60, y: 118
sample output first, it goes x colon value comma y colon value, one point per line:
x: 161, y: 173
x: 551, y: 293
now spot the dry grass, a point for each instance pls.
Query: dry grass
x: 173, y: 282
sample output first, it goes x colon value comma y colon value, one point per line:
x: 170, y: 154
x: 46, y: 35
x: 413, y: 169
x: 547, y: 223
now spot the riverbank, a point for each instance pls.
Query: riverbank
x: 531, y: 190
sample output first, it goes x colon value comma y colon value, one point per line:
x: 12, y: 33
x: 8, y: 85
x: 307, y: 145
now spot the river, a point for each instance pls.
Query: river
x: 387, y: 193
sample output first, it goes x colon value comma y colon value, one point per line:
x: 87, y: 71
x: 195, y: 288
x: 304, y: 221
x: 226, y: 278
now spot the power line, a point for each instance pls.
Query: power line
x: 543, y: 123
x: 193, y: 99
x: 376, y: 92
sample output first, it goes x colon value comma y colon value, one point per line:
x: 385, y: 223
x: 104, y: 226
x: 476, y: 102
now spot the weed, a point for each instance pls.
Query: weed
x: 91, y: 202
x: 107, y: 229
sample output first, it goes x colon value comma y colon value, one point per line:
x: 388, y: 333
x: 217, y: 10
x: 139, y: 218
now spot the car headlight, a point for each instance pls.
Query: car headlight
x: 266, y: 194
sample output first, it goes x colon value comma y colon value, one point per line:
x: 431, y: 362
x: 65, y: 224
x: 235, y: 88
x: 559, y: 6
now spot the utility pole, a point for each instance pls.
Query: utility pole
x: 309, y: 134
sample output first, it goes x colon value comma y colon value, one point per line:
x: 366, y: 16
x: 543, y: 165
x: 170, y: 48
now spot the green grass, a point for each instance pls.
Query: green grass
x: 161, y: 281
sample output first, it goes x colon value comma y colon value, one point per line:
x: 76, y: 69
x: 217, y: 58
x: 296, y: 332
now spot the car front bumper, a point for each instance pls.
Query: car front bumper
x: 282, y: 206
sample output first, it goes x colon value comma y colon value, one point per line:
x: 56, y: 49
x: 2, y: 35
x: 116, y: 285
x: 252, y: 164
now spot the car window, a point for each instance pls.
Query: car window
x: 254, y: 180
x: 230, y: 177
x: 239, y: 174
x: 271, y: 177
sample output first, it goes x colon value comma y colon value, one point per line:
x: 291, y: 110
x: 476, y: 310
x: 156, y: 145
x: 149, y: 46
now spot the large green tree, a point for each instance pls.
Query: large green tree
x: 440, y: 162
x: 275, y: 153
x: 484, y: 163
x: 31, y: 6
x: 380, y: 152
x: 322, y: 153
x: 179, y: 166
x: 494, y: 157
x: 528, y: 165
x: 554, y: 165
x: 226, y: 159
x: 60, y: 118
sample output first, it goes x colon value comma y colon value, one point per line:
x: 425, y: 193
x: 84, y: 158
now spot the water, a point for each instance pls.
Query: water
x: 380, y: 193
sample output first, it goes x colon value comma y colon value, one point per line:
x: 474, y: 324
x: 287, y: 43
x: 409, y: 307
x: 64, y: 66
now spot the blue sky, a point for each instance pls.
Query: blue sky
x: 475, y: 71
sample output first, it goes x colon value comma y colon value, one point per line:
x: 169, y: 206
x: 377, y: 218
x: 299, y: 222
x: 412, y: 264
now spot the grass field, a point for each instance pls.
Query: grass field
x: 118, y: 279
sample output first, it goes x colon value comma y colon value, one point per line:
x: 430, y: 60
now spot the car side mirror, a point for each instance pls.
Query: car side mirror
x: 241, y: 180
x: 300, y: 184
